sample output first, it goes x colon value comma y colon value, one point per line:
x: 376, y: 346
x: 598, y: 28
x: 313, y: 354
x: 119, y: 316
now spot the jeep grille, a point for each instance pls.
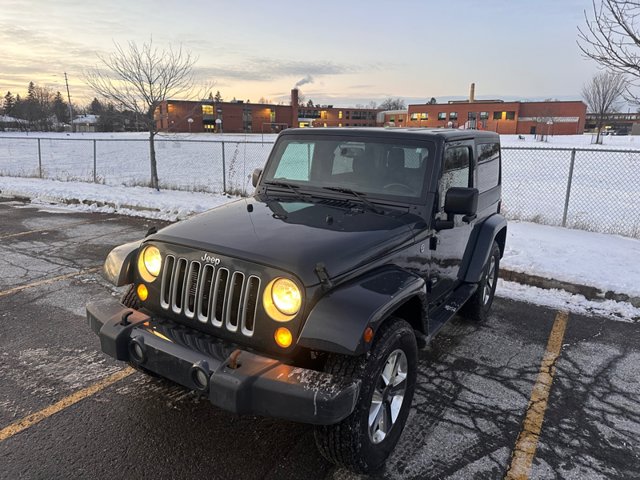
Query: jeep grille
x: 215, y: 296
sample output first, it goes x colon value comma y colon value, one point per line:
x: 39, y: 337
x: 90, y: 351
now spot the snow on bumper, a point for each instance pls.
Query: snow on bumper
x: 257, y: 385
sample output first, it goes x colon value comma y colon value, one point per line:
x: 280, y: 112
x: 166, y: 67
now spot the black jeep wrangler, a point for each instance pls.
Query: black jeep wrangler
x: 308, y: 301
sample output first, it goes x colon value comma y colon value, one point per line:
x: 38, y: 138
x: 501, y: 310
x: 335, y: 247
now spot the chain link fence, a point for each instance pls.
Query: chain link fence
x: 184, y: 164
x: 591, y: 189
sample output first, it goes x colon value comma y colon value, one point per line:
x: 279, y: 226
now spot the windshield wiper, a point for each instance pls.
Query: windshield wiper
x: 292, y: 188
x: 359, y: 195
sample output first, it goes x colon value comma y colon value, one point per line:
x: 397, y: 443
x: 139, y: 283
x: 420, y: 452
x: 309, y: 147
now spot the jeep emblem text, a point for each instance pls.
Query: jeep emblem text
x: 208, y: 258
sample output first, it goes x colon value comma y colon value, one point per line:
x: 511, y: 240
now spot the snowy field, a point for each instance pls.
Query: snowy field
x: 535, y: 174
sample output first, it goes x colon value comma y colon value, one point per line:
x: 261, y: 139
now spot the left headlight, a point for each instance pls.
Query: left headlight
x: 149, y: 263
x: 282, y: 299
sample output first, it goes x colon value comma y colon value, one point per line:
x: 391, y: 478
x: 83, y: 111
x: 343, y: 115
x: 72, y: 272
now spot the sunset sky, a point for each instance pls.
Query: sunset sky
x: 354, y: 51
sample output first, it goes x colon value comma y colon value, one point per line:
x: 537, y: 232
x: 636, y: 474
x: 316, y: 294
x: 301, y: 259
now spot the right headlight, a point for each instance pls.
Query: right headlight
x: 282, y: 299
x: 149, y: 263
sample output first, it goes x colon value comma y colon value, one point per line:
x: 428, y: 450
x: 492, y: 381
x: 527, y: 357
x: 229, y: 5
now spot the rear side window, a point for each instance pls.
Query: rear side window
x: 488, y: 175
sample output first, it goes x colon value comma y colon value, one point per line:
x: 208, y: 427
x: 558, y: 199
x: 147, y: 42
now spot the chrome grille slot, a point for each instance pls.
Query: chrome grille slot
x: 191, y: 289
x: 212, y: 295
x: 250, y: 305
x: 205, y: 293
x: 234, y: 301
x: 167, y: 279
x: 177, y: 286
x: 220, y: 296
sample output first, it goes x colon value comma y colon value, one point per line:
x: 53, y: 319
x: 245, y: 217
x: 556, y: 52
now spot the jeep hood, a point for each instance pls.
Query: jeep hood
x: 293, y: 235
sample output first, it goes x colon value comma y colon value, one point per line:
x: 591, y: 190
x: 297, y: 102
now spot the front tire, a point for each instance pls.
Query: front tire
x: 478, y: 306
x: 364, y: 440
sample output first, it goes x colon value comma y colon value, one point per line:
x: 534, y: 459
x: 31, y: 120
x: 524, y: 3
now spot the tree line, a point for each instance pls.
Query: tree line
x: 43, y: 109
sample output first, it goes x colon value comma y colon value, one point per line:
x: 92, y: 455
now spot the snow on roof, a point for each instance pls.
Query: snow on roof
x: 86, y: 119
x: 8, y: 119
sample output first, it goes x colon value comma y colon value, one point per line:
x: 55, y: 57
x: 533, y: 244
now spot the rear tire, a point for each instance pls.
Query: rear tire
x: 478, y: 306
x: 364, y: 440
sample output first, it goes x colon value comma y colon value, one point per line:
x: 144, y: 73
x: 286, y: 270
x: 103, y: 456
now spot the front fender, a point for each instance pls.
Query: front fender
x: 337, y: 322
x: 118, y: 267
x: 476, y: 257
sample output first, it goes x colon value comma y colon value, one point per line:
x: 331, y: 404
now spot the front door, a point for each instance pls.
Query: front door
x: 449, y: 245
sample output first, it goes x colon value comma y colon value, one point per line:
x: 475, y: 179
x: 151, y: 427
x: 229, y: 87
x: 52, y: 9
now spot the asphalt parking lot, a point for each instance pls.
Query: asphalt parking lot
x: 492, y: 398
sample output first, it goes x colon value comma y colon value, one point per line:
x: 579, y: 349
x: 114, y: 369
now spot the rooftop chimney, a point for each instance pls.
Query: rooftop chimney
x: 472, y: 93
x: 294, y: 107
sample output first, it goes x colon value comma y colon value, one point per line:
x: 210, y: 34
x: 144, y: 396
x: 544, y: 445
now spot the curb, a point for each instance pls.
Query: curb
x: 590, y: 293
x: 75, y: 201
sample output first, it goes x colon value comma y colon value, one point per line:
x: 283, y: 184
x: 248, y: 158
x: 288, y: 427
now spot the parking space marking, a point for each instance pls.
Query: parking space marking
x: 48, y: 280
x: 34, y: 418
x: 57, y: 227
x: 527, y: 443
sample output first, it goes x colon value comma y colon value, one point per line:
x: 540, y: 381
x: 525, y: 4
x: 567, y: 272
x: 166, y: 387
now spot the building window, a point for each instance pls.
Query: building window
x: 392, y: 118
x: 453, y: 116
x: 442, y: 115
x: 497, y: 115
x: 339, y: 124
x: 484, y: 115
x: 511, y: 115
x: 340, y: 114
x: 424, y: 116
x: 207, y: 109
x: 414, y: 116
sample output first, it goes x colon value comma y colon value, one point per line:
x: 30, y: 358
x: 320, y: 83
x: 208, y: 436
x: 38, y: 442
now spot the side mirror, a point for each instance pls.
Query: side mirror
x: 461, y: 201
x: 458, y: 201
x: 255, y: 177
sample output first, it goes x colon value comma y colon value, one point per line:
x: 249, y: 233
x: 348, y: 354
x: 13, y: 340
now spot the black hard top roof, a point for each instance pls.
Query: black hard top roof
x: 446, y: 134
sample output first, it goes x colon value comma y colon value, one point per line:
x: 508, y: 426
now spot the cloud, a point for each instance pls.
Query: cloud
x: 268, y: 69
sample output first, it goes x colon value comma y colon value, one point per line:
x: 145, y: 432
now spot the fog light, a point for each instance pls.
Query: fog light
x: 283, y: 337
x: 200, y: 378
x: 136, y: 351
x: 143, y: 293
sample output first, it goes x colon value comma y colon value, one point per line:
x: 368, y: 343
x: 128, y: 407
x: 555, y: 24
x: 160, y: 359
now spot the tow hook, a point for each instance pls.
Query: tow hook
x: 233, y: 359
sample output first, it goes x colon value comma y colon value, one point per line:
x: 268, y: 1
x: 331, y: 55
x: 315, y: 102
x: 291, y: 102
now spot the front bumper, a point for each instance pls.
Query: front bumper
x: 258, y: 385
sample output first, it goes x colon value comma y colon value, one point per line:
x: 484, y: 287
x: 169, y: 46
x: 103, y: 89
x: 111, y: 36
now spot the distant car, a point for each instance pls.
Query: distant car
x: 308, y: 301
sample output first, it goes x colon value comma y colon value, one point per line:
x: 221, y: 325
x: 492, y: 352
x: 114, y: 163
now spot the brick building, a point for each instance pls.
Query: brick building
x: 240, y: 117
x: 516, y: 118
x: 547, y: 118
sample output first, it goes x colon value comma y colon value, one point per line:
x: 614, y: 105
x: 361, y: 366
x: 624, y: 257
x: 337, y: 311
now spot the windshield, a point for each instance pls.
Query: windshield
x: 367, y: 166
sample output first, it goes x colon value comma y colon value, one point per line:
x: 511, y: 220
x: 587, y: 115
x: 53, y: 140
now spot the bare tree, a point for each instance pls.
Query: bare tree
x: 611, y: 37
x: 602, y: 95
x: 140, y: 78
x: 392, y: 104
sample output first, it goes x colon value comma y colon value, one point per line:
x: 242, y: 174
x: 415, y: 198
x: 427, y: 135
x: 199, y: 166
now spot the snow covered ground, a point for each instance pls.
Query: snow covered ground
x: 607, y: 262
x: 535, y: 174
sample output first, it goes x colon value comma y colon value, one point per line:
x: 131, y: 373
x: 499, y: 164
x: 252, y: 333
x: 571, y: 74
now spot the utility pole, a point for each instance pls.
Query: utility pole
x: 69, y: 99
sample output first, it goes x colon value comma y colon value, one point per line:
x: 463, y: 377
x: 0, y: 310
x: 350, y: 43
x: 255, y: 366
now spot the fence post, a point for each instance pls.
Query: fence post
x: 566, y: 200
x: 224, y: 172
x: 39, y: 160
x: 94, y: 161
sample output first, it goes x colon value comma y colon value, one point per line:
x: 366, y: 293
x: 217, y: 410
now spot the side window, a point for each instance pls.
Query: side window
x: 296, y: 162
x: 488, y: 175
x: 456, y: 169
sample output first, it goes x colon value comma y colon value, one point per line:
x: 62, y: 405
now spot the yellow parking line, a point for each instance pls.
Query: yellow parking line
x: 525, y: 449
x: 66, y: 402
x: 48, y: 280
